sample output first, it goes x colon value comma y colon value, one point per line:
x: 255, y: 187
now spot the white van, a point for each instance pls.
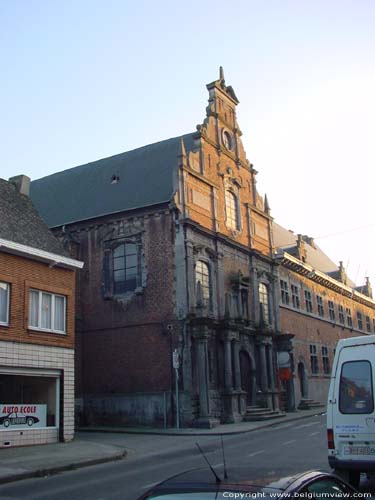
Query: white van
x: 350, y: 409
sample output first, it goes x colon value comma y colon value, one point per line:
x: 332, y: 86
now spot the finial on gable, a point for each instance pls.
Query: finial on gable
x: 221, y: 75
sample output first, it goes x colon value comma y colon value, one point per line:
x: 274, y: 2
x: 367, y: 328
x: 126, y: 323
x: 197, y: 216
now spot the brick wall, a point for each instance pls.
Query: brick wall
x: 124, y: 345
x: 23, y: 274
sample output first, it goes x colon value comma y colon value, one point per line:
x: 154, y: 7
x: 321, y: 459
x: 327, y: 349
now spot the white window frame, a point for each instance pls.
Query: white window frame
x: 40, y: 328
x: 6, y: 322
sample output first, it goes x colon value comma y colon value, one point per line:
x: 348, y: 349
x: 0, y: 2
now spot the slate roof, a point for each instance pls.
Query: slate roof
x: 145, y: 177
x: 315, y: 257
x: 21, y: 223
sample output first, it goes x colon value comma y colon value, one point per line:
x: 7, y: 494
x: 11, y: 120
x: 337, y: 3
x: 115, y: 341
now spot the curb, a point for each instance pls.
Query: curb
x: 226, y: 433
x: 56, y: 470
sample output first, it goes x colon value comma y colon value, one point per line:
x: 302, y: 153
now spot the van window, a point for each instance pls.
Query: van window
x: 356, y: 395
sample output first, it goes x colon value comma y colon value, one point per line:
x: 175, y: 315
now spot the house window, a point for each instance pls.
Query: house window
x: 284, y: 292
x: 331, y: 310
x: 263, y: 303
x: 314, y: 359
x: 319, y: 301
x: 341, y: 315
x: 47, y: 311
x: 125, y: 268
x: 4, y: 303
x: 308, y: 301
x: 359, y: 320
x: 325, y: 358
x: 368, y: 324
x: 349, y: 320
x: 295, y: 296
x: 202, y: 276
x: 232, y: 211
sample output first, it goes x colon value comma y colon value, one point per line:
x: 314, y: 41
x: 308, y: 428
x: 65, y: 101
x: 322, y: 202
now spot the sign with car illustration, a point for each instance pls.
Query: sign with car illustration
x: 20, y: 416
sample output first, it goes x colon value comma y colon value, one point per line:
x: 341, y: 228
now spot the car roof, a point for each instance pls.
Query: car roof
x: 236, y: 476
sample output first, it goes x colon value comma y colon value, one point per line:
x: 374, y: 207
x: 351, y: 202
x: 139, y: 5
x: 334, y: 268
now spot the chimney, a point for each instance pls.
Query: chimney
x: 22, y: 184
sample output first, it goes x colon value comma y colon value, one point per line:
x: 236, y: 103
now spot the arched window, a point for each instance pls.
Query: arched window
x: 263, y: 303
x: 202, y: 276
x: 232, y: 211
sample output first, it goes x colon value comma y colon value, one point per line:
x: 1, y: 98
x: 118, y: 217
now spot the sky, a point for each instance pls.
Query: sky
x: 82, y: 80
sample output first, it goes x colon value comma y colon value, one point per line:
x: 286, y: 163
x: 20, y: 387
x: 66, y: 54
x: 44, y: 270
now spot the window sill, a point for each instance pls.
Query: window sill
x: 45, y: 330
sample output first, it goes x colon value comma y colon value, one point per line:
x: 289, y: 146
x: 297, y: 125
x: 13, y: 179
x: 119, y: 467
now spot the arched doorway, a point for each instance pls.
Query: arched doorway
x: 302, y: 379
x: 247, y: 369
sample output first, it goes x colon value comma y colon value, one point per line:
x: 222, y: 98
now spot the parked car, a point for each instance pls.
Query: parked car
x: 351, y: 410
x: 200, y: 484
x: 15, y: 419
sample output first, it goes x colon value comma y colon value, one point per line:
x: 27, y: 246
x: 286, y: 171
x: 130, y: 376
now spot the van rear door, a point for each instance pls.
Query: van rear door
x: 354, y: 417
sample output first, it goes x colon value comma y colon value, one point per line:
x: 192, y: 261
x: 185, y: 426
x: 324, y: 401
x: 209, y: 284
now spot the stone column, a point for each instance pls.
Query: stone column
x: 275, y: 301
x: 275, y: 393
x: 263, y: 368
x: 237, y: 369
x: 205, y: 419
x: 202, y: 376
x: 254, y: 293
x: 190, y: 273
x: 228, y: 377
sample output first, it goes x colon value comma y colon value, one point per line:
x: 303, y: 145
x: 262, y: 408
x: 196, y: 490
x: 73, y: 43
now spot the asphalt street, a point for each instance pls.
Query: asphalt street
x: 280, y: 450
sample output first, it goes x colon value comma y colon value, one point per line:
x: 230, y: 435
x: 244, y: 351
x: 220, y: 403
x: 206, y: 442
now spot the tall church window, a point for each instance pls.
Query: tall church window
x: 264, y: 303
x: 232, y: 210
x: 202, y: 276
x: 125, y: 268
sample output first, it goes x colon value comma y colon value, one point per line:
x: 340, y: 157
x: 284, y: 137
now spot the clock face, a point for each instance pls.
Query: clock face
x: 227, y: 140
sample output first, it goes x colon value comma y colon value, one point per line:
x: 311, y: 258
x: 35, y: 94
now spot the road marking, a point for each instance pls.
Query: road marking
x: 288, y: 442
x: 307, y: 425
x: 285, y: 426
x: 255, y: 453
x: 218, y: 465
x: 314, y: 433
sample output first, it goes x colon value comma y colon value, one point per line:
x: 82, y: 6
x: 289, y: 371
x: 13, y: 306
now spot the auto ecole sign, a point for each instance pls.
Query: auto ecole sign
x: 22, y: 415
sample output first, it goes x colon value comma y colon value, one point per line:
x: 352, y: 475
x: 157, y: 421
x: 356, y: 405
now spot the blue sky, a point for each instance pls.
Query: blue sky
x: 82, y: 80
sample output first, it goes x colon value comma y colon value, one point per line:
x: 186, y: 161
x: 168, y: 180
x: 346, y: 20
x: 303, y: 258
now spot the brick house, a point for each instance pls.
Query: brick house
x: 178, y: 255
x: 37, y: 317
x: 319, y: 305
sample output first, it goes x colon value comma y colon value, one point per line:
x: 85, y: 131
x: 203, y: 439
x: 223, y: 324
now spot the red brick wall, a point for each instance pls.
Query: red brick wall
x: 23, y: 274
x: 124, y: 346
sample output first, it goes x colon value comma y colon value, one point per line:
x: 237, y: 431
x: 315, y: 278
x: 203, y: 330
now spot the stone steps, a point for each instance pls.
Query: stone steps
x: 257, y: 413
x: 309, y: 404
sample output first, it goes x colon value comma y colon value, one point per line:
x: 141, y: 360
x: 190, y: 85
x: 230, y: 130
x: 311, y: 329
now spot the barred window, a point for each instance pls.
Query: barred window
x: 331, y: 310
x: 314, y: 359
x: 295, y: 296
x: 359, y: 320
x: 308, y: 301
x: 319, y: 301
x: 341, y: 315
x: 284, y: 292
x: 368, y: 324
x: 349, y: 320
x: 325, y: 358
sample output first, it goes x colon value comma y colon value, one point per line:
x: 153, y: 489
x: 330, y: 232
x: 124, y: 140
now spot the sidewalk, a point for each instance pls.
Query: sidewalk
x: 42, y: 460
